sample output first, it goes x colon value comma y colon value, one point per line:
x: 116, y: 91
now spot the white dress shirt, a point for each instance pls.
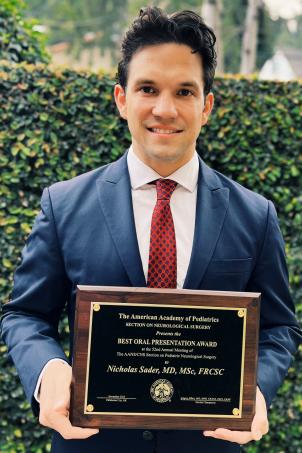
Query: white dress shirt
x: 183, y: 208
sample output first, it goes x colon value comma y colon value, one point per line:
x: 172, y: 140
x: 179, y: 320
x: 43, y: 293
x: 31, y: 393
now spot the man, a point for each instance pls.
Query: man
x: 95, y: 230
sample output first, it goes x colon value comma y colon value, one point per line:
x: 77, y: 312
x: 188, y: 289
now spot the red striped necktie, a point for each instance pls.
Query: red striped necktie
x: 162, y: 268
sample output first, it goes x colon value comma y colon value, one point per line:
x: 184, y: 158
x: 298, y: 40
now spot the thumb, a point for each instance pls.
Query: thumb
x: 256, y: 434
x: 256, y: 428
x: 260, y: 422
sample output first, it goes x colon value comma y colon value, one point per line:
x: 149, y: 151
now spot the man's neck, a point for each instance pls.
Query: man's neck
x: 164, y: 168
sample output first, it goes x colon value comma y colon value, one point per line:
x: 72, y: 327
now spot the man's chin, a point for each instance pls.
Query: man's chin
x: 165, y: 154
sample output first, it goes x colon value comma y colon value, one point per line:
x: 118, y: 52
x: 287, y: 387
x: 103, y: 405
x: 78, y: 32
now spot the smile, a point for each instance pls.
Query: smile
x: 162, y: 131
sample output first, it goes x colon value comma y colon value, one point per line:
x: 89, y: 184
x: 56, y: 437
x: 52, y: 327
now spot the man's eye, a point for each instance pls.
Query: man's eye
x: 185, y: 92
x: 147, y: 90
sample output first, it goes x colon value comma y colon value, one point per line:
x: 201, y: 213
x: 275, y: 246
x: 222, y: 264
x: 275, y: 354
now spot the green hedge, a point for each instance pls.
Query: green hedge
x: 19, y: 39
x: 57, y: 124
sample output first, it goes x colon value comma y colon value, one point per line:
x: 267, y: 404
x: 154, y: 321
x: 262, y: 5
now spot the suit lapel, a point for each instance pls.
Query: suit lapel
x: 114, y: 192
x: 211, y: 208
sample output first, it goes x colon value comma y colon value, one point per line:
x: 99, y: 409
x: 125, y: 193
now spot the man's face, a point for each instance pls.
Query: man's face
x: 164, y: 105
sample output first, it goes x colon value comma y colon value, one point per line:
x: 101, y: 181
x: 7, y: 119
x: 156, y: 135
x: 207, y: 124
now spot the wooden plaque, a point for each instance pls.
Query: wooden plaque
x: 164, y: 358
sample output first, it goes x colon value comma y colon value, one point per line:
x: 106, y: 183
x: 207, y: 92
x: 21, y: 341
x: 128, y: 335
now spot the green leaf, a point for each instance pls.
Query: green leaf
x: 44, y: 117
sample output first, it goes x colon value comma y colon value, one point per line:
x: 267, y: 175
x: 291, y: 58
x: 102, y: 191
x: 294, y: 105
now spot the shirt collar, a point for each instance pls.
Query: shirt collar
x: 141, y: 174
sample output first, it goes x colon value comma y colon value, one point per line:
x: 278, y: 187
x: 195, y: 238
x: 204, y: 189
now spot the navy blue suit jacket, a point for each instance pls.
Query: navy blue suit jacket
x: 85, y: 234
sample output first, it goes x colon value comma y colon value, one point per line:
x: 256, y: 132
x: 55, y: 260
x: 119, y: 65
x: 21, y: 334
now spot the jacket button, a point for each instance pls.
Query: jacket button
x: 147, y: 435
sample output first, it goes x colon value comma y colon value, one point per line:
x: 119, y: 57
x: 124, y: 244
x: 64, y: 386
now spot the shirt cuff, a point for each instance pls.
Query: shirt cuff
x: 37, y: 389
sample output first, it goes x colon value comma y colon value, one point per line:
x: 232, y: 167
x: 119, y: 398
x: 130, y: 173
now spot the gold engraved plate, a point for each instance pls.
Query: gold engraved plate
x: 164, y: 359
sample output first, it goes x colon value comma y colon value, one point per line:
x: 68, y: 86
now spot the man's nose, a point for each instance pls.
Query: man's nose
x: 164, y: 107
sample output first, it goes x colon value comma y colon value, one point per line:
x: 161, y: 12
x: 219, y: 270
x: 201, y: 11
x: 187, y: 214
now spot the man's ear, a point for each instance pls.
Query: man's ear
x: 208, y: 106
x: 120, y: 100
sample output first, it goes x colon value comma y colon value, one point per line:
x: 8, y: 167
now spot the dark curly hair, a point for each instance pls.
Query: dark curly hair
x: 153, y: 27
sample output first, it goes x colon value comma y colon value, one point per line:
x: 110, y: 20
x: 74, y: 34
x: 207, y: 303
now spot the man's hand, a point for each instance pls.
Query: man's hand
x: 258, y: 429
x: 55, y: 399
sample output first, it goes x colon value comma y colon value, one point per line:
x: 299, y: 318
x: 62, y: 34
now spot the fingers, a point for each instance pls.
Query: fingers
x: 259, y: 428
x: 260, y: 425
x: 61, y: 424
x: 55, y: 400
x: 56, y: 418
x: 240, y: 437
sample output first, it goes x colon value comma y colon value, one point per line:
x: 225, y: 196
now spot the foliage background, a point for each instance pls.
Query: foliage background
x: 18, y: 39
x: 57, y: 124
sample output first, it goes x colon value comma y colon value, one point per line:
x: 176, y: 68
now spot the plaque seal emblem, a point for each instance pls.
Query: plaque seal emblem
x: 161, y: 390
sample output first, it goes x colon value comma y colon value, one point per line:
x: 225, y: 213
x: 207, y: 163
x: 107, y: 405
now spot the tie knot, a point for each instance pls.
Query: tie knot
x: 165, y: 188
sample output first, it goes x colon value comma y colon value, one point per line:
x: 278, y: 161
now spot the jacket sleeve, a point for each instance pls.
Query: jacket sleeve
x: 41, y: 288
x: 279, y: 334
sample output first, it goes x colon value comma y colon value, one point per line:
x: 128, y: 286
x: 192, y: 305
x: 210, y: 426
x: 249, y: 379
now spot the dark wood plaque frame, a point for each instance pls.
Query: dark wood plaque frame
x: 86, y: 295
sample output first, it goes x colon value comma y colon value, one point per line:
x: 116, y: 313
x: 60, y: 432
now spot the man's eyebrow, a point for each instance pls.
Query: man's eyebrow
x: 186, y: 84
x: 144, y: 82
x: 189, y: 84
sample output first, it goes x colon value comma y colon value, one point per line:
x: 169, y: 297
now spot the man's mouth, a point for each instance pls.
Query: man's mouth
x: 157, y: 130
